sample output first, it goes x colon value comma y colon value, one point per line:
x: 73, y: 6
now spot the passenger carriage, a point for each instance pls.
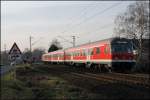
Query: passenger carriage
x: 113, y: 53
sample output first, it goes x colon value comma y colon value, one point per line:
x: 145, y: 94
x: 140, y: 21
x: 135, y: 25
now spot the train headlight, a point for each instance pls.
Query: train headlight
x: 116, y: 58
x: 124, y: 57
x: 130, y: 58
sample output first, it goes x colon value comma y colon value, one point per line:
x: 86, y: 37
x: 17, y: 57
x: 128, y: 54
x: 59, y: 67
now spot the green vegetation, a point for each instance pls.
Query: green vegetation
x: 33, y: 83
x: 14, y: 89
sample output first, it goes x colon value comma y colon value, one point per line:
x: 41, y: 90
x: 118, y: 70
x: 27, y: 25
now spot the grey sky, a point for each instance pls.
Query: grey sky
x: 88, y: 20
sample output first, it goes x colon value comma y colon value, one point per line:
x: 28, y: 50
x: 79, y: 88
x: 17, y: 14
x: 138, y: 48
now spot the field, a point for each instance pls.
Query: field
x: 40, y: 81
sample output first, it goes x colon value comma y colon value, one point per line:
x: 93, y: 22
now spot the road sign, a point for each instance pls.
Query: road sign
x: 14, y: 52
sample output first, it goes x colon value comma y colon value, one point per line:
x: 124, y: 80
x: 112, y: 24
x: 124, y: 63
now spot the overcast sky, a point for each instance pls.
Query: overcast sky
x: 46, y: 20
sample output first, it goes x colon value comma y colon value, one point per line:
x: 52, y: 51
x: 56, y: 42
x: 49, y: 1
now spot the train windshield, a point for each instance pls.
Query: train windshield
x: 121, y: 48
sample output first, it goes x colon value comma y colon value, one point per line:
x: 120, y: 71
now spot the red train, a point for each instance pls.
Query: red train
x: 113, y: 53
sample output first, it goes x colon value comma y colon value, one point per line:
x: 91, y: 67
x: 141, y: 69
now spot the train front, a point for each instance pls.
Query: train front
x: 122, y: 54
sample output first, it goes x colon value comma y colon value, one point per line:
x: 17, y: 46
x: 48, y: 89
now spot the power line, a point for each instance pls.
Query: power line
x: 102, y: 27
x: 36, y: 41
x: 65, y: 39
x: 99, y: 13
x: 95, y: 15
x: 83, y: 14
x: 73, y: 42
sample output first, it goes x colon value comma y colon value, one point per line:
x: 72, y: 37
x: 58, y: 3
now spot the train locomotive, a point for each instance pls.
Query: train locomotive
x: 111, y: 54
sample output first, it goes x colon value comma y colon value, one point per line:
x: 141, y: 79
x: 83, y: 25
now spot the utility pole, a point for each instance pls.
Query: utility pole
x: 5, y: 47
x: 74, y: 40
x: 30, y: 43
x: 30, y: 40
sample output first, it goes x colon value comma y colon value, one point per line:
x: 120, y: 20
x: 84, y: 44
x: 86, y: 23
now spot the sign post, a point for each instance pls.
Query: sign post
x: 14, y: 54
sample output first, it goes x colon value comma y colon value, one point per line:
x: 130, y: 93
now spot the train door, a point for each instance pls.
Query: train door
x: 88, y: 54
x: 71, y: 56
x: 107, y: 52
x: 96, y: 54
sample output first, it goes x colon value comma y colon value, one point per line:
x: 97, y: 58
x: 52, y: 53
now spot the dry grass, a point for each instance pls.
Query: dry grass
x: 40, y: 82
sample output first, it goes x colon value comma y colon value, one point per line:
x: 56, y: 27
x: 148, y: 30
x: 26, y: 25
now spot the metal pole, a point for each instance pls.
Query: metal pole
x: 5, y: 47
x: 30, y: 50
x: 30, y: 43
x: 74, y: 38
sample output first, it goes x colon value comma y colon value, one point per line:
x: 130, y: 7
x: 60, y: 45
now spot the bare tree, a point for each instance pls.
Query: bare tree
x: 134, y: 24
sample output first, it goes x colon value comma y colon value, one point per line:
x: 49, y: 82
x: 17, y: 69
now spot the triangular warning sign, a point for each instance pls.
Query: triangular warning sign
x: 14, y: 50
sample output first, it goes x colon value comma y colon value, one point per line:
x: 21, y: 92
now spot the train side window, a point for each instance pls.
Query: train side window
x: 92, y: 51
x: 89, y: 51
x: 106, y: 50
x: 73, y: 54
x: 97, y: 50
x: 81, y: 53
x: 84, y: 53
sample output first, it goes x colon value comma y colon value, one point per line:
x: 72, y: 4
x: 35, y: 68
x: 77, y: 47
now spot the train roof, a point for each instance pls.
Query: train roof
x: 104, y: 40
x: 82, y: 45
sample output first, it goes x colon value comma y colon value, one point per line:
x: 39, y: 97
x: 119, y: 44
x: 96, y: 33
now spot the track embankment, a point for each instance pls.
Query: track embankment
x: 112, y: 85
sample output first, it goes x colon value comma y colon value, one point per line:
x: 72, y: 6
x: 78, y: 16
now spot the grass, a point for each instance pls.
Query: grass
x: 37, y: 82
x: 14, y: 89
x: 32, y: 83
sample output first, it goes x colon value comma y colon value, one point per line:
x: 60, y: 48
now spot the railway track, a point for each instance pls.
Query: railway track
x: 127, y: 79
x: 122, y: 78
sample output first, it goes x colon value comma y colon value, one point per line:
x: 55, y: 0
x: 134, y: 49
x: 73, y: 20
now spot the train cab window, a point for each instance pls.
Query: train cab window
x: 121, y: 48
x: 97, y: 50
